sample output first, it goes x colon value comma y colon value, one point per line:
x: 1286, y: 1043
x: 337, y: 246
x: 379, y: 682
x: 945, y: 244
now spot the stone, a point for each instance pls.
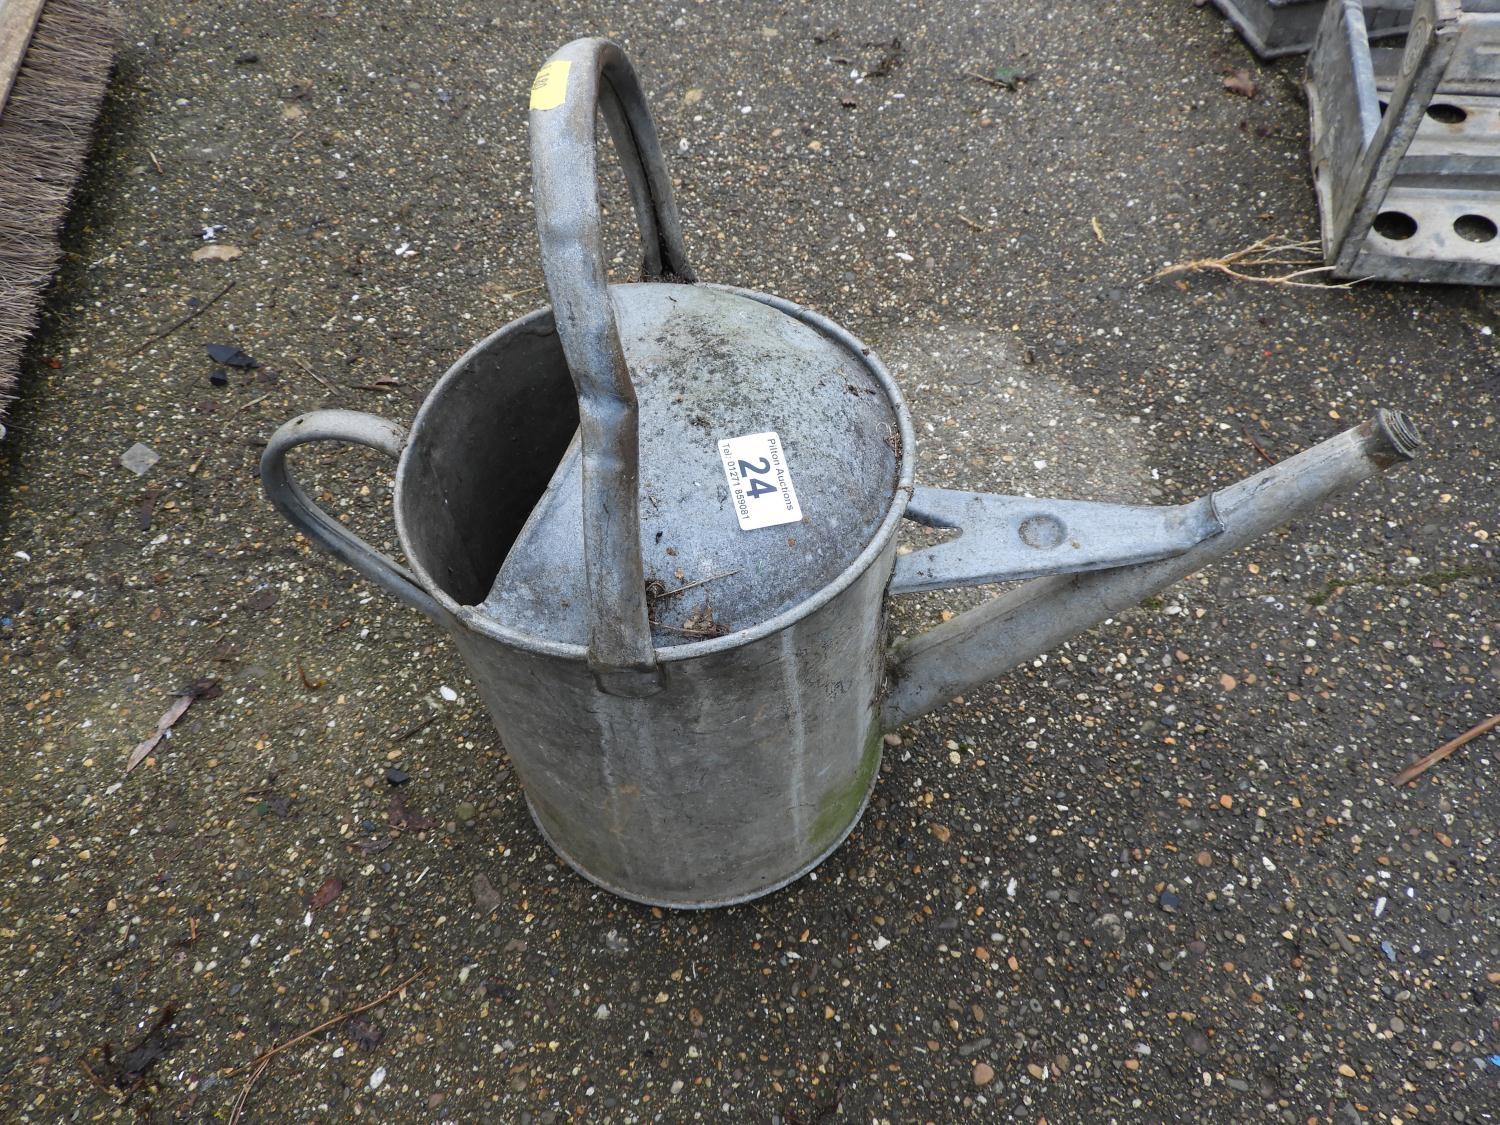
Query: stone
x: 139, y: 458
x: 984, y: 1074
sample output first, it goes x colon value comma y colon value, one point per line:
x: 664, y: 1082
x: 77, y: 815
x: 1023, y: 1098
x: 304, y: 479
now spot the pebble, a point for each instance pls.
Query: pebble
x: 1197, y: 1042
x: 974, y: 1046
x: 984, y: 1074
x: 377, y: 1078
x: 139, y: 458
x: 1398, y: 1025
x: 486, y: 897
x: 465, y: 812
x: 1170, y: 901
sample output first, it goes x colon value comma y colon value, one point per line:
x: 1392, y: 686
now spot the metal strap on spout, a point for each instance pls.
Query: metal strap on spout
x: 1010, y: 538
x: 586, y: 75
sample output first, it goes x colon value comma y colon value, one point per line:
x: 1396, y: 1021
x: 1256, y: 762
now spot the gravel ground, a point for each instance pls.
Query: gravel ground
x: 1161, y: 874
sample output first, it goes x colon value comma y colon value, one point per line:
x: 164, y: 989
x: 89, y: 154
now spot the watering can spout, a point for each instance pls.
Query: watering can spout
x: 984, y: 643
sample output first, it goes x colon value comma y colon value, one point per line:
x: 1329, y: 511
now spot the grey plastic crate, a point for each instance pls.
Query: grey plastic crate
x: 1406, y: 144
x: 1288, y: 27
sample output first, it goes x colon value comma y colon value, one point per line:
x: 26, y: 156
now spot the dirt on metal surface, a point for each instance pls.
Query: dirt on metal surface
x: 1163, y: 873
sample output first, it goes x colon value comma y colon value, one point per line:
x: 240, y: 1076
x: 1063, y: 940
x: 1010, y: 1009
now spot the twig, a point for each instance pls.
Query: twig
x: 970, y: 223
x: 156, y: 162
x: 416, y: 728
x: 1263, y: 253
x: 1422, y: 765
x: 1098, y: 230
x: 247, y: 405
x: 98, y: 1080
x: 1251, y: 438
x: 199, y: 311
x: 995, y: 82
x: 685, y: 632
x: 239, y: 1102
x: 313, y: 373
x: 689, y: 585
x: 263, y: 1060
x: 519, y: 292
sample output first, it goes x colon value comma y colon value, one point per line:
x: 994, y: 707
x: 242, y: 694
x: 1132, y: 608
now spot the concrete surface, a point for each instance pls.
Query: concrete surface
x: 1162, y: 874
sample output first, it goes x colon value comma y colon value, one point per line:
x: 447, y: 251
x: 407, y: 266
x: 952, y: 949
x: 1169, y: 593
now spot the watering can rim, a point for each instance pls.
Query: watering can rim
x: 486, y: 626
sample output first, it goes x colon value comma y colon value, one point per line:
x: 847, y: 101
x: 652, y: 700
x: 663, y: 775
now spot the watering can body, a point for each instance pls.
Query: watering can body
x: 679, y: 636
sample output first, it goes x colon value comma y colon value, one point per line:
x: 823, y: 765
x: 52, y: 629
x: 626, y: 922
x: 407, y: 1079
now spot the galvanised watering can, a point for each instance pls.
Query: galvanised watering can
x: 659, y: 521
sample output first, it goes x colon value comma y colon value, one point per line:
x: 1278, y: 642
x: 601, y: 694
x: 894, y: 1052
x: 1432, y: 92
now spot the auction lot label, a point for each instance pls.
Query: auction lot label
x: 759, y: 480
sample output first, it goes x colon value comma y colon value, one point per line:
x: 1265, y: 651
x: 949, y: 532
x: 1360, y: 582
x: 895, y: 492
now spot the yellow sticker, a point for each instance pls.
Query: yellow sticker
x: 551, y: 85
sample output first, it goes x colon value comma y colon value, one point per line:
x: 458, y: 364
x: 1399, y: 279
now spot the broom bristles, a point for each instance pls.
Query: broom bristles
x: 46, y: 125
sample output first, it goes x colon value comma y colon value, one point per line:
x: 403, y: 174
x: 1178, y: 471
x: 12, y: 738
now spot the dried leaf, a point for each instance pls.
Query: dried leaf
x: 1239, y: 82
x: 365, y: 1033
x: 891, y: 57
x: 205, y: 689
x: 262, y: 599
x: 218, y: 252
x: 135, y: 1062
x: 486, y: 897
x: 330, y: 889
x: 128, y: 1072
x: 163, y: 724
x: 400, y: 818
x: 198, y: 689
x: 279, y: 804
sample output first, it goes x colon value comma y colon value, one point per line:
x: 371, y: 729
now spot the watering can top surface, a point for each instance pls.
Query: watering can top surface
x: 717, y: 373
x: 737, y: 454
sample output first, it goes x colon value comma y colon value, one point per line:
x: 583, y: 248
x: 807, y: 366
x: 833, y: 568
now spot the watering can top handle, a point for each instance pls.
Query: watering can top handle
x: 583, y: 77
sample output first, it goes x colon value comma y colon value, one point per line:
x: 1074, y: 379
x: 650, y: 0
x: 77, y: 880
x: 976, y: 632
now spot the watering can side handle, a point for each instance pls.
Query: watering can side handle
x: 578, y: 81
x: 282, y: 489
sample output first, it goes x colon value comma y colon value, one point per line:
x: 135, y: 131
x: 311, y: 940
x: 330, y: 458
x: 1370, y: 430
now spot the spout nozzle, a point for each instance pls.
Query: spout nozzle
x: 1391, y: 438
